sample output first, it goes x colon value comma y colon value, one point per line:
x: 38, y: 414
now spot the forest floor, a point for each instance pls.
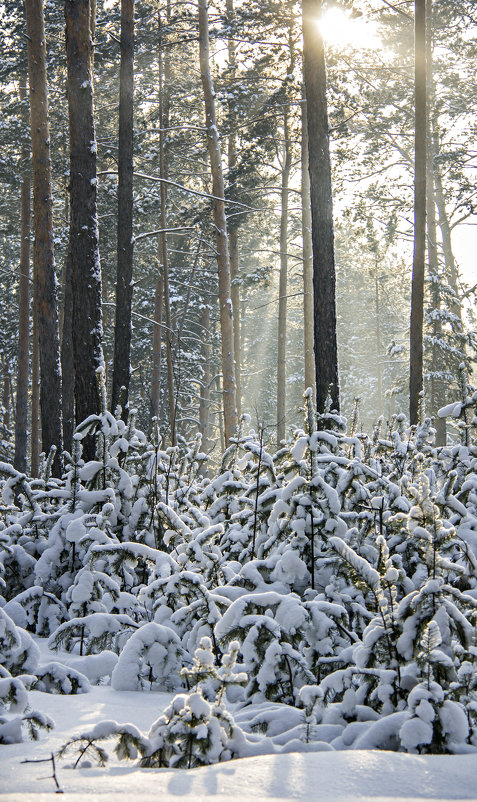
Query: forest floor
x: 320, y: 776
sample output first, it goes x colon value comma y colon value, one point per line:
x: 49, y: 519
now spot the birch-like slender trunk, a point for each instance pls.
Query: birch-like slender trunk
x: 445, y: 229
x: 379, y: 338
x: 283, y: 284
x: 163, y: 252
x: 233, y: 231
x: 204, y: 403
x: 156, y: 345
x: 220, y: 223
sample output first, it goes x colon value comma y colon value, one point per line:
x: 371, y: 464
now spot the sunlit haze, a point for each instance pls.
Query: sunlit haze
x: 340, y: 29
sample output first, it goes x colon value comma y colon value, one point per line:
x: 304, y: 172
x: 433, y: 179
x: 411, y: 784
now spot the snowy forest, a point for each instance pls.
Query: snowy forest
x: 238, y: 426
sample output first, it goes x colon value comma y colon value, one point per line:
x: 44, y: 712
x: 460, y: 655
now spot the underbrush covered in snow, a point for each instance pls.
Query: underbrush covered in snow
x: 323, y: 597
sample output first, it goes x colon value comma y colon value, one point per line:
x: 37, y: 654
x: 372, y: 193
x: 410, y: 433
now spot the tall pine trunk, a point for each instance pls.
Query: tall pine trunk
x: 220, y: 222
x: 44, y: 259
x: 204, y: 402
x: 283, y: 283
x: 156, y: 346
x: 35, y: 387
x: 437, y: 384
x: 83, y: 240
x: 324, y: 279
x: 420, y: 168
x: 67, y: 368
x: 163, y: 250
x: 233, y: 230
x: 21, y: 404
x: 124, y: 282
x: 307, y: 253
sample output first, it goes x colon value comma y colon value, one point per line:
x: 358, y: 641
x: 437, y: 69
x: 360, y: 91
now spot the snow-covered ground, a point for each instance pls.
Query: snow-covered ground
x: 321, y: 777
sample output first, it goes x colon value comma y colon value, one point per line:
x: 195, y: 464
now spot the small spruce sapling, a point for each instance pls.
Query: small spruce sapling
x: 194, y: 731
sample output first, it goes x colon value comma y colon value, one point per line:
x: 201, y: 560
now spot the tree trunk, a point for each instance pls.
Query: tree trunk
x: 204, y: 403
x: 124, y: 283
x: 220, y: 222
x: 6, y: 394
x: 437, y: 388
x: 21, y: 405
x: 67, y: 369
x: 169, y: 334
x: 156, y: 346
x: 307, y: 256
x: 233, y: 231
x: 35, y: 388
x: 83, y: 240
x: 45, y: 288
x: 324, y: 281
x: 445, y: 229
x: 164, y: 80
x: 282, y: 285
x: 66, y: 341
x: 420, y: 166
x: 379, y: 338
x: 235, y: 297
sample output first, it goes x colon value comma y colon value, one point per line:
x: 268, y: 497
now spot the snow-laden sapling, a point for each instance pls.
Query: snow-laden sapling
x: 56, y: 678
x: 194, y: 731
x: 436, y: 724
x: 150, y: 660
x: 16, y: 718
x: 93, y: 633
x: 87, y: 746
x: 269, y: 626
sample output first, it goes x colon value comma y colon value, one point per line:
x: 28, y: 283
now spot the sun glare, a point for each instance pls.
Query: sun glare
x: 338, y: 28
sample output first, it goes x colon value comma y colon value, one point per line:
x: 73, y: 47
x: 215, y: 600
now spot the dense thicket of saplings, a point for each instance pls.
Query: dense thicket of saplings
x: 320, y: 597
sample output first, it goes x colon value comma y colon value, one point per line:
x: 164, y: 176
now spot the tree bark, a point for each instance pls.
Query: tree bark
x: 163, y: 252
x: 156, y: 346
x: 66, y: 341
x: 67, y: 369
x: 282, y: 285
x: 124, y: 282
x: 379, y: 338
x: 204, y: 402
x: 445, y: 229
x: 324, y: 280
x: 437, y: 385
x: 44, y: 259
x: 233, y: 231
x: 35, y: 388
x: 6, y: 394
x: 21, y: 405
x: 307, y: 256
x: 420, y: 167
x: 83, y: 240
x: 220, y: 222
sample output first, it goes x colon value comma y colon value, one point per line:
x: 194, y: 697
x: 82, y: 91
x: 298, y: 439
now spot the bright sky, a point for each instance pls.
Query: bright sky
x: 464, y: 241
